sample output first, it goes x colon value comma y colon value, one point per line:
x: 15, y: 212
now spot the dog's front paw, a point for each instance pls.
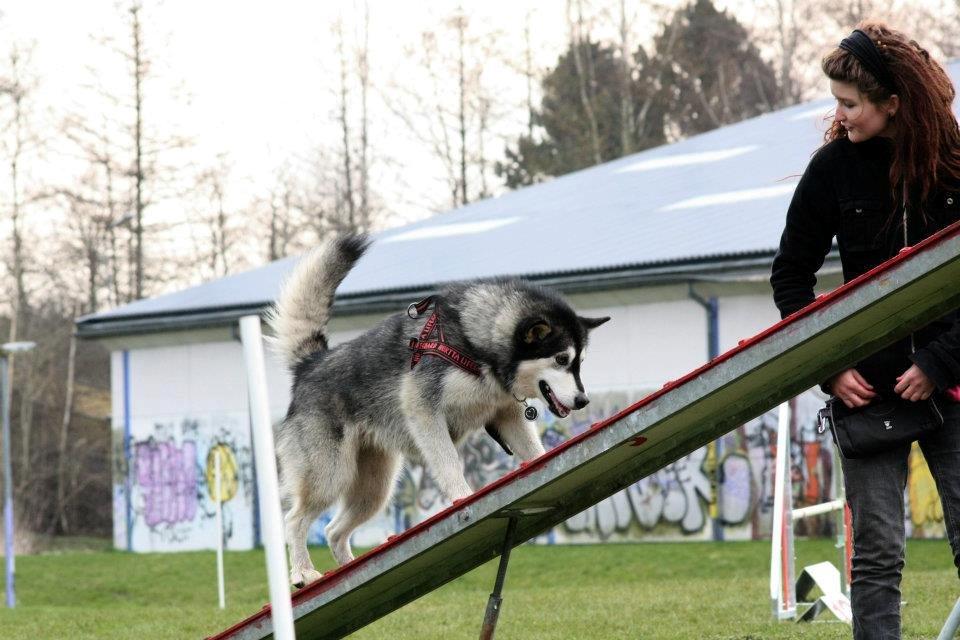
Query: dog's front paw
x: 300, y: 578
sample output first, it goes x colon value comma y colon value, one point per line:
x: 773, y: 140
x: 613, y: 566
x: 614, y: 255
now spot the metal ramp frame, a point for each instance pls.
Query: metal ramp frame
x: 913, y: 288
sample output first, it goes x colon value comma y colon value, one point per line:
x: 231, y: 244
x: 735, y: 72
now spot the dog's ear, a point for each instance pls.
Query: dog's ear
x: 592, y: 323
x: 536, y: 331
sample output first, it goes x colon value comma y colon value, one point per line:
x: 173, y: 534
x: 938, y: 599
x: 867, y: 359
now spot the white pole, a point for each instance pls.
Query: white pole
x: 268, y: 491
x: 781, y: 551
x: 8, y: 534
x: 843, y: 523
x: 818, y: 509
x: 219, y: 484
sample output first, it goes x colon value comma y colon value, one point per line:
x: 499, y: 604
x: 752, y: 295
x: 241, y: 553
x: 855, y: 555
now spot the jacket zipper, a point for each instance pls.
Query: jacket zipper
x: 906, y: 243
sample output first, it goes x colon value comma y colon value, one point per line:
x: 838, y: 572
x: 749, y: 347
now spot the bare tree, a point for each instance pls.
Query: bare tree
x: 84, y: 243
x: 347, y: 195
x: 16, y: 89
x: 61, y: 516
x: 218, y: 243
x: 800, y: 32
x: 96, y: 210
x: 652, y: 74
x: 579, y: 43
x: 528, y: 72
x: 281, y: 215
x: 352, y: 203
x: 146, y: 153
x: 18, y: 141
x: 453, y: 112
x: 483, y: 109
x: 797, y: 33
x: 458, y: 22
x: 363, y: 77
x: 788, y: 30
x: 135, y: 56
x: 313, y: 194
x: 628, y: 130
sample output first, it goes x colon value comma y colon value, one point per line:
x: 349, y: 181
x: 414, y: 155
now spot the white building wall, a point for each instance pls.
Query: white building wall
x: 644, y: 344
x: 744, y: 316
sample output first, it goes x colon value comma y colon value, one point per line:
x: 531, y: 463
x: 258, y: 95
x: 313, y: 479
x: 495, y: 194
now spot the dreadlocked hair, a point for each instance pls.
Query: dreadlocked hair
x: 927, y: 145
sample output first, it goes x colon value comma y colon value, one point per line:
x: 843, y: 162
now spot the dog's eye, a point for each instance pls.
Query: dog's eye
x: 563, y: 359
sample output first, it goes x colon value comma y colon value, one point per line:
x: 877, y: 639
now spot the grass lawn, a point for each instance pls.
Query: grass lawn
x: 654, y: 590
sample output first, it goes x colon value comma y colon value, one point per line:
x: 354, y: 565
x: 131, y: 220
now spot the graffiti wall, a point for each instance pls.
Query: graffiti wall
x: 165, y: 494
x: 165, y: 497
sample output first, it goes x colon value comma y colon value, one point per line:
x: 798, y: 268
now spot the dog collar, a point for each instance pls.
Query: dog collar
x: 432, y: 342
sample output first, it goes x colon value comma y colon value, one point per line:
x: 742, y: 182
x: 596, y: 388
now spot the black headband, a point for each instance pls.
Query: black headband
x: 863, y: 49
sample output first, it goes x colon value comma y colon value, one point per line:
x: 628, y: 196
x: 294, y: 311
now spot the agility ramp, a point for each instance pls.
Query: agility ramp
x: 913, y: 288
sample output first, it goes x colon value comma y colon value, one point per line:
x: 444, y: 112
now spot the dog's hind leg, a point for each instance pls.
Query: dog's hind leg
x: 311, y: 480
x: 297, y: 525
x: 368, y: 494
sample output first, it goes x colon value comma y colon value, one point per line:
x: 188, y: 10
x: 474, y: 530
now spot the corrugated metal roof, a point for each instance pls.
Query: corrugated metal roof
x: 718, y: 196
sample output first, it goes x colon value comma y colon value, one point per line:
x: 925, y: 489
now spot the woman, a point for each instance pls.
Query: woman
x: 894, y: 144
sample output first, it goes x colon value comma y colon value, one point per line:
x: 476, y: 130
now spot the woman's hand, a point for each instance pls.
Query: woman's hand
x: 914, y: 385
x: 852, y: 388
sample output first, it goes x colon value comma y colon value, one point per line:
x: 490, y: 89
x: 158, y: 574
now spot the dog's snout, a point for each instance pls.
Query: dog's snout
x: 581, y: 401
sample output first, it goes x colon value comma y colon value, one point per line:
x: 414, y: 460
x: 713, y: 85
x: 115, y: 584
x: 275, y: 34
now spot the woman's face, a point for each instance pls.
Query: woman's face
x: 861, y: 118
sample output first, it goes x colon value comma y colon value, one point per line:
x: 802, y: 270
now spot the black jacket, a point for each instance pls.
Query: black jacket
x: 845, y: 193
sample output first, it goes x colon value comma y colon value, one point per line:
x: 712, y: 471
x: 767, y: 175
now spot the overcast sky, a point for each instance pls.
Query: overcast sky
x: 255, y: 80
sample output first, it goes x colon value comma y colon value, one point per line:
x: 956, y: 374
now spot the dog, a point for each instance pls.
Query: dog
x: 358, y: 409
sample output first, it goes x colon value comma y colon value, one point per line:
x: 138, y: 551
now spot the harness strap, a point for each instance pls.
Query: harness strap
x: 436, y: 345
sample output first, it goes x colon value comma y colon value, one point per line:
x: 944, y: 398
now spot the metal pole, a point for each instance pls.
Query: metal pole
x: 7, y: 483
x: 843, y: 530
x: 786, y: 415
x: 493, y: 604
x: 715, y: 448
x: 280, y: 606
x: 950, y: 626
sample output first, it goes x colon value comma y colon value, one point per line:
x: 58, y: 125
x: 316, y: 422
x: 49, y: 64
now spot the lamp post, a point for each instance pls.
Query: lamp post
x: 5, y: 351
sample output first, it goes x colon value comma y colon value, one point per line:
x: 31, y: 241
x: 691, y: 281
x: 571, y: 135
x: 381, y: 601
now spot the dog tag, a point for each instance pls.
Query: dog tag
x: 530, y: 413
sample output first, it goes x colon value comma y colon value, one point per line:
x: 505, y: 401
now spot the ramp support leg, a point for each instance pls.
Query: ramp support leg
x: 950, y: 627
x: 493, y: 604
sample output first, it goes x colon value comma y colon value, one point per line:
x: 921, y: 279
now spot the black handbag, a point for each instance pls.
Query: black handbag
x: 881, y: 425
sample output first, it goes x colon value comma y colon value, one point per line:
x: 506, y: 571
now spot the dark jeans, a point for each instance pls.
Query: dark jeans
x: 875, y: 490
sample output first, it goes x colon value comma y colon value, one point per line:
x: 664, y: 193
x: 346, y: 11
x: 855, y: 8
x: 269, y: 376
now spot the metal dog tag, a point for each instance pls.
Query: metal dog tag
x: 530, y: 413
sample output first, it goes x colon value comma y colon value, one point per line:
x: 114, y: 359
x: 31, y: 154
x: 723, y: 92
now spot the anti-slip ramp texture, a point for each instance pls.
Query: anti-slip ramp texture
x: 841, y: 327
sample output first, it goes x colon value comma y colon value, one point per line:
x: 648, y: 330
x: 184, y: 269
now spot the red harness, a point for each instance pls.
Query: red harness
x: 432, y: 342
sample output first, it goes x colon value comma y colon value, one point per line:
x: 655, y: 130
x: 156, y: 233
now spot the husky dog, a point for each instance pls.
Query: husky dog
x: 356, y: 410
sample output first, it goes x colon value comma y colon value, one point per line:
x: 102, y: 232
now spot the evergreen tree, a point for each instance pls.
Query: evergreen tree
x: 705, y: 73
x: 561, y: 142
x: 715, y: 74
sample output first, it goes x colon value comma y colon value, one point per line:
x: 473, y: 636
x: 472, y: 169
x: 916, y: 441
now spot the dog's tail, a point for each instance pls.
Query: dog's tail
x: 299, y: 317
